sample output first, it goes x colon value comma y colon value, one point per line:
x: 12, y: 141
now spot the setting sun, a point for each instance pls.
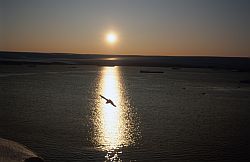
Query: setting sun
x: 111, y: 38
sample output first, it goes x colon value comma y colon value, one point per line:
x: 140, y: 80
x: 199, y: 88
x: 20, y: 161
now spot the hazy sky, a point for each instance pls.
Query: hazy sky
x: 148, y: 27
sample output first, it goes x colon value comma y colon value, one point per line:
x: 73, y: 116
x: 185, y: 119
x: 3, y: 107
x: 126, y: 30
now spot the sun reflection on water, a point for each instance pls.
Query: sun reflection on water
x: 114, y: 127
x: 111, y: 115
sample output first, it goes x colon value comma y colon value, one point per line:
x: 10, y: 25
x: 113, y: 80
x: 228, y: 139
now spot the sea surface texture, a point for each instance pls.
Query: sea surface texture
x: 180, y: 115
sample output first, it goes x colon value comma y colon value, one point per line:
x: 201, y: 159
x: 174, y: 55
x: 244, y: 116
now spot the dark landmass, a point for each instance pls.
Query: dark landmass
x: 176, y: 62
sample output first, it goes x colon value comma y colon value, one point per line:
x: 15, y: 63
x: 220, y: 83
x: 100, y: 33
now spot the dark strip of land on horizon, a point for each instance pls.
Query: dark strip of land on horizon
x: 20, y: 58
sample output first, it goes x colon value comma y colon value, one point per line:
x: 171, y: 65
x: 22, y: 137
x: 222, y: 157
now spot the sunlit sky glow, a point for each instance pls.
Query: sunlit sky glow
x: 111, y: 38
x: 147, y: 27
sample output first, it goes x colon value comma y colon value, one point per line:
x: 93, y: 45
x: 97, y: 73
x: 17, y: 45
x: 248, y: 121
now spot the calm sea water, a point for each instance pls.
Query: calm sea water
x: 180, y: 115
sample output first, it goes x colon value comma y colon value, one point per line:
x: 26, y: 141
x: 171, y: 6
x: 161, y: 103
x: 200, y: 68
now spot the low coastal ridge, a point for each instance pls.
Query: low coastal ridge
x: 230, y: 63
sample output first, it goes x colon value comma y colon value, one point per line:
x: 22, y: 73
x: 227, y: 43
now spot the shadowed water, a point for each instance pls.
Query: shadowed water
x: 179, y: 115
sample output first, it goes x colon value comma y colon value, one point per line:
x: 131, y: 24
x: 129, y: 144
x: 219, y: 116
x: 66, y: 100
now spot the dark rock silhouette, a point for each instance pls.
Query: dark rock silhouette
x: 13, y: 151
x: 34, y: 159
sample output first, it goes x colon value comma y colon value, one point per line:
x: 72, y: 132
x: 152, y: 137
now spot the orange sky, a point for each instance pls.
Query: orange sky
x: 143, y: 27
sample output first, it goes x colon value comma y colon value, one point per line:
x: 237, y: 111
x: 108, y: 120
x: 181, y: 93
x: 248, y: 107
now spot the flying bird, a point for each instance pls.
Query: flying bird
x: 108, y: 101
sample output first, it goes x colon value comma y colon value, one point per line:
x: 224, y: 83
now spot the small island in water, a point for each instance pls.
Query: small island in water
x: 149, y: 71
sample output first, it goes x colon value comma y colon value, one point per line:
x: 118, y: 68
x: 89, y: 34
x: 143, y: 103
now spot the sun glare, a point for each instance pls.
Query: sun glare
x: 111, y: 38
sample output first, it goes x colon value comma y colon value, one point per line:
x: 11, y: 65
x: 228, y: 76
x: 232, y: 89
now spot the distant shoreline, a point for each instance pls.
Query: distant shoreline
x: 33, y: 58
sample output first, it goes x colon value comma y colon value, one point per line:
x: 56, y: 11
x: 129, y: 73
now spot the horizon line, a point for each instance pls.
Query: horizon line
x: 117, y: 54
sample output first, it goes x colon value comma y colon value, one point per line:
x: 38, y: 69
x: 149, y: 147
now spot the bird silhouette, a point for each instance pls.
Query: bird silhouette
x: 108, y: 101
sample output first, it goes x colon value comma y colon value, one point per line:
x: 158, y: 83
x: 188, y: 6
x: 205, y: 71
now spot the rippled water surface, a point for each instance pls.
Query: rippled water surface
x: 178, y: 115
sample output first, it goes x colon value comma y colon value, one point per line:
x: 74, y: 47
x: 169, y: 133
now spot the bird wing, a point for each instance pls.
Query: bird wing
x: 112, y: 103
x: 104, y: 97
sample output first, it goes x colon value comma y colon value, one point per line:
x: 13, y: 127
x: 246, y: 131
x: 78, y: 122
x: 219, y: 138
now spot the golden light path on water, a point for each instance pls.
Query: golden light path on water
x: 114, y: 126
